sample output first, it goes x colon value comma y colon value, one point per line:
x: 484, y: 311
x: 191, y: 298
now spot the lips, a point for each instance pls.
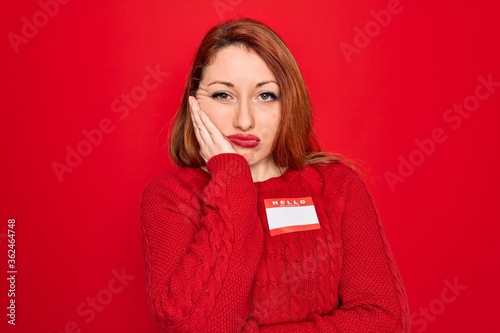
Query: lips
x: 244, y: 140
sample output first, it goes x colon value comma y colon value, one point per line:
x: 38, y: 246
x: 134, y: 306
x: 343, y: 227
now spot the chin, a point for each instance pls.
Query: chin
x: 249, y: 159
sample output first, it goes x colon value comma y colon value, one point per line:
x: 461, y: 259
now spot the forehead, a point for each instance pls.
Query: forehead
x: 237, y: 64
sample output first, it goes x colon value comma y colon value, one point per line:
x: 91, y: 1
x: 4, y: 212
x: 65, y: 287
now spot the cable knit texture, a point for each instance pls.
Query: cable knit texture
x: 212, y: 265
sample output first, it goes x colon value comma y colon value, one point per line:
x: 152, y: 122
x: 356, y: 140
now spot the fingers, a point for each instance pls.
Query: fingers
x: 210, y: 138
x: 200, y: 129
x: 220, y: 143
x: 210, y: 126
x: 196, y: 129
x: 206, y: 128
x: 201, y: 133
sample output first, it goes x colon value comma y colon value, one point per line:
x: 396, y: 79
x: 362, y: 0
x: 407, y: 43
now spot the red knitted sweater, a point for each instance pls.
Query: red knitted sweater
x: 212, y: 265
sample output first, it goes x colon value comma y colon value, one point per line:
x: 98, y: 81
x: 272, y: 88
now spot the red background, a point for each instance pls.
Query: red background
x: 72, y: 234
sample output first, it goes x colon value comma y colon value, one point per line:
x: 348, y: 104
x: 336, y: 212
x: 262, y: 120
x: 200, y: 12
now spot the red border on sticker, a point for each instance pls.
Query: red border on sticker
x: 288, y: 202
x: 285, y: 230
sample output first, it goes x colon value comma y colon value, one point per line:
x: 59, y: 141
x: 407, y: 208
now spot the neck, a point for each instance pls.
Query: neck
x: 263, y: 172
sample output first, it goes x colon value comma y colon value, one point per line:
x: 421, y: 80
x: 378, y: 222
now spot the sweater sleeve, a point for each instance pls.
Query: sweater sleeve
x: 202, y: 249
x: 371, y: 292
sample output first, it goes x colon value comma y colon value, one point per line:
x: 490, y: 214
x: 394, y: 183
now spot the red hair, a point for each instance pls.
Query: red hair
x: 295, y: 145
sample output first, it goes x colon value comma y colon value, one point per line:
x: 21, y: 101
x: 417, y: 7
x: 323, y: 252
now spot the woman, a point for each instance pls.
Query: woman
x: 259, y: 231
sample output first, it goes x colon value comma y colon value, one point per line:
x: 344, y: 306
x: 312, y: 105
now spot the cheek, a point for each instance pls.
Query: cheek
x: 270, y: 121
x: 205, y: 103
x: 219, y: 114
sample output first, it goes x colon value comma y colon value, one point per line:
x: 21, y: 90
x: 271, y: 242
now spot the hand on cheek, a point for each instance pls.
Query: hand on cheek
x: 211, y: 140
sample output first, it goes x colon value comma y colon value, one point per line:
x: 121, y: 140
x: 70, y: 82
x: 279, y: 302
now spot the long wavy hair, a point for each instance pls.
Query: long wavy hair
x: 295, y: 145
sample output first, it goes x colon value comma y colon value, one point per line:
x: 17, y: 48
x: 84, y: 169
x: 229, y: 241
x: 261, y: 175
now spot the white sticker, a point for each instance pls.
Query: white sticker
x: 286, y: 215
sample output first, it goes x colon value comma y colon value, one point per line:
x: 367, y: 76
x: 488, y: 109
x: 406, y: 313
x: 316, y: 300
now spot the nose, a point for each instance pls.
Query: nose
x: 244, y: 118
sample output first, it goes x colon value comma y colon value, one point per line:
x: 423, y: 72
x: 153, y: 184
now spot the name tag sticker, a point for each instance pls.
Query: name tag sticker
x: 286, y: 215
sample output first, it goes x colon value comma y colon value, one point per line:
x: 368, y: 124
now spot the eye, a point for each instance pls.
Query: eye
x: 221, y: 96
x: 268, y: 96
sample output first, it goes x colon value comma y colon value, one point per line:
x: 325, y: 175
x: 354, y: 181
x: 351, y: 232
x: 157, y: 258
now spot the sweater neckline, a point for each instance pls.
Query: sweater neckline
x: 267, y: 185
x: 275, y: 183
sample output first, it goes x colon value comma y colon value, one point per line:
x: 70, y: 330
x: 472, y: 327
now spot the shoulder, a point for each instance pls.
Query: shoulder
x: 336, y: 177
x: 168, y: 197
x: 173, y: 186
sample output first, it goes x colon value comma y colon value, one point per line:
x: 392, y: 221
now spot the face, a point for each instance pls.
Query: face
x: 241, y: 96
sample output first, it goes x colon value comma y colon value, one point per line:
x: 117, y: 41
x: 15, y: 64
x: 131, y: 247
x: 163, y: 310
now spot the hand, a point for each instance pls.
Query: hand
x: 210, y: 138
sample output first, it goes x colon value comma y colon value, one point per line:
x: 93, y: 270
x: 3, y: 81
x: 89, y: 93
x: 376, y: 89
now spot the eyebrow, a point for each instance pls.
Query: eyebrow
x: 230, y: 85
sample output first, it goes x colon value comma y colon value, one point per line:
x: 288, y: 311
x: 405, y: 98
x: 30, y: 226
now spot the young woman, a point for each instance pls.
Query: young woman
x: 259, y: 231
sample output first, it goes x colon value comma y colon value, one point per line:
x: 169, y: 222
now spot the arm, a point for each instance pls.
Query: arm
x: 201, y: 261
x: 371, y: 293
